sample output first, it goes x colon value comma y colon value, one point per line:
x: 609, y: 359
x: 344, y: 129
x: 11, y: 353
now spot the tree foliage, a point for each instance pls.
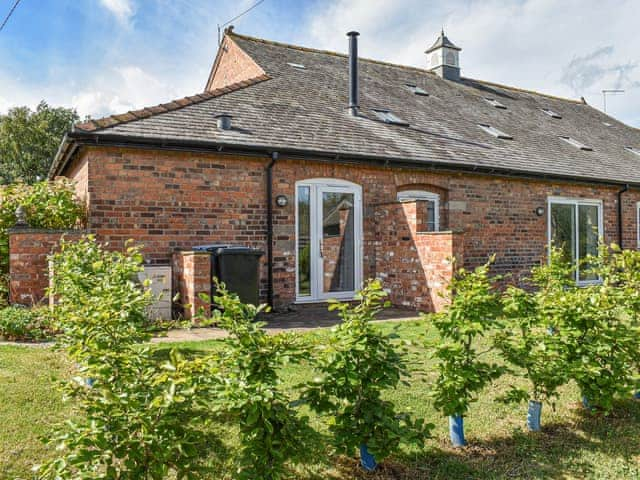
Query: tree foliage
x: 527, y: 340
x: 140, y: 418
x: 356, y: 367
x: 271, y: 432
x: 598, y: 325
x: 472, y: 313
x: 50, y: 205
x: 29, y: 141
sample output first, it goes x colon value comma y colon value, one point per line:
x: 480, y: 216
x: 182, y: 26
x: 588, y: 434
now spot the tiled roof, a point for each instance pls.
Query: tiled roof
x: 306, y: 110
x: 96, y: 124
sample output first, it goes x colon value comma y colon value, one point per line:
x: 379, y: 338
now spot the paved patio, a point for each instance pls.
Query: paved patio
x: 302, y: 319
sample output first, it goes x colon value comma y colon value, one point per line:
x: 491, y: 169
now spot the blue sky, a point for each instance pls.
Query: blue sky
x: 110, y: 56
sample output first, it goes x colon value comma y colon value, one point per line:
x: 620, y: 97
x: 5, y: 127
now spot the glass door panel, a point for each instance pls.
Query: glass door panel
x: 337, y: 248
x: 588, y: 239
x: 304, y: 241
x: 563, y: 220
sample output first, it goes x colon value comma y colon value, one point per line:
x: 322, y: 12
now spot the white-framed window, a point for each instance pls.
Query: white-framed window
x: 575, y: 226
x: 427, y: 208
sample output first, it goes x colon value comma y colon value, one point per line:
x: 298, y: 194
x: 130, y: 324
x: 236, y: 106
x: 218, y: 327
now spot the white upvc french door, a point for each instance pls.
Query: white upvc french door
x: 328, y: 239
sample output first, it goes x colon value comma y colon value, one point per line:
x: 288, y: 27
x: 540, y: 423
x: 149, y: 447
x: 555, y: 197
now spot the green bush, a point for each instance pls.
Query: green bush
x: 100, y: 304
x: 271, y: 432
x: 46, y: 205
x: 25, y: 324
x: 472, y: 312
x: 357, y: 366
x: 140, y: 418
x: 598, y: 326
x: 527, y: 341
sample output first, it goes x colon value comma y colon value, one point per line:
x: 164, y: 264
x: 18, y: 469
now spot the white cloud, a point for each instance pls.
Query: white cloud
x: 542, y: 45
x: 569, y: 48
x: 124, y: 10
x: 121, y: 89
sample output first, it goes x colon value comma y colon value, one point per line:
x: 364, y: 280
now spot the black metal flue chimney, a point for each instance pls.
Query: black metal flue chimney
x: 353, y: 72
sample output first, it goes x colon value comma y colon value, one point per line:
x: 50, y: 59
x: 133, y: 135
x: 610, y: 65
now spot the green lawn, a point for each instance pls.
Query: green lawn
x: 573, y: 444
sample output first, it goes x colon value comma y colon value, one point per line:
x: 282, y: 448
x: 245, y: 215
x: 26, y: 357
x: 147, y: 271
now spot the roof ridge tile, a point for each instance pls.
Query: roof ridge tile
x: 92, y: 125
x: 389, y: 64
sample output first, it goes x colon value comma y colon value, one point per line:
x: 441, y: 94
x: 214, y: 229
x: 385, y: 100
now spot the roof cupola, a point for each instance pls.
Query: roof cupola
x: 443, y: 58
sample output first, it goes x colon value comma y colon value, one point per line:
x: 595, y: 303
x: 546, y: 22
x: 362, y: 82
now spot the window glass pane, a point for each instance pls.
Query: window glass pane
x: 425, y: 216
x: 304, y: 242
x: 588, y: 236
x: 563, y: 221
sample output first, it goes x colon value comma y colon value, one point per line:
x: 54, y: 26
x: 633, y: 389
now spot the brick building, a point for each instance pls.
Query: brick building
x: 342, y: 169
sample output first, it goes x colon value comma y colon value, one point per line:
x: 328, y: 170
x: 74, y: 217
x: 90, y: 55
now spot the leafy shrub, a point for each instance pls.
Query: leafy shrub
x: 141, y: 419
x: 46, y: 205
x: 472, y: 312
x: 598, y: 326
x: 528, y: 341
x: 271, y: 433
x: 100, y: 304
x: 356, y: 367
x: 25, y: 324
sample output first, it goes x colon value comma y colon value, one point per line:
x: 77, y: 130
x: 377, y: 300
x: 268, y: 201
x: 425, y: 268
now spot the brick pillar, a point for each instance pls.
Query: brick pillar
x: 192, y: 277
x: 415, y: 266
x: 29, y: 249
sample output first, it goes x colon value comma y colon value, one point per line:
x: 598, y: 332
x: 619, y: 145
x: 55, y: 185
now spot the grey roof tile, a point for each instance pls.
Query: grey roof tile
x: 307, y: 110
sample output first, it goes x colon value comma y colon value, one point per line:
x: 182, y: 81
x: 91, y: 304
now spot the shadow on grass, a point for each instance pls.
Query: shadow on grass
x: 557, y: 452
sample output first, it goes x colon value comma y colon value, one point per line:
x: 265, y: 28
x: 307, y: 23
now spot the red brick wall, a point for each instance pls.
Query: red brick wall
x: 192, y: 277
x: 79, y: 171
x: 233, y: 65
x: 415, y: 266
x: 169, y: 200
x: 28, y: 265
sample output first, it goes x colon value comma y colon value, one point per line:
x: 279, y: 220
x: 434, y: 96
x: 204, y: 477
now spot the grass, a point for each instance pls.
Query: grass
x: 573, y: 444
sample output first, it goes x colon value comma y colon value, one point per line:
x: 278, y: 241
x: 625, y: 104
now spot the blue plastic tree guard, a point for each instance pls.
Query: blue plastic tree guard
x: 586, y: 403
x: 637, y: 395
x: 533, y: 415
x: 456, y: 430
x: 367, y: 460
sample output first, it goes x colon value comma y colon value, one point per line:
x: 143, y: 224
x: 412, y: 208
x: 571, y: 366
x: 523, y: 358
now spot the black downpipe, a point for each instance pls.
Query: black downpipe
x: 274, y: 157
x: 353, y: 72
x: 625, y: 188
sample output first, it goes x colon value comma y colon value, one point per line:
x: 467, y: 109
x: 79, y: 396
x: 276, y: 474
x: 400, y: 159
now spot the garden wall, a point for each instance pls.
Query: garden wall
x: 414, y: 266
x: 28, y: 264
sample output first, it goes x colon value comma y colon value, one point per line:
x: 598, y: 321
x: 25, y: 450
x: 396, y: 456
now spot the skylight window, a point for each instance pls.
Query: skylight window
x: 633, y: 150
x: 551, y: 113
x: 417, y: 90
x: 495, y: 103
x: 495, y: 132
x: 296, y: 65
x: 576, y: 143
x: 607, y: 124
x: 387, y: 117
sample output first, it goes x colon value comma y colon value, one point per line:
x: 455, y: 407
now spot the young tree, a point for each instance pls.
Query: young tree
x: 526, y: 340
x: 29, y: 141
x: 357, y: 366
x: 597, y: 325
x: 473, y: 309
x: 271, y: 432
x: 140, y: 418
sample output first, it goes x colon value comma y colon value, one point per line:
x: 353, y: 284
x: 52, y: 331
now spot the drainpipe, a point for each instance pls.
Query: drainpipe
x: 274, y: 157
x: 624, y: 189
